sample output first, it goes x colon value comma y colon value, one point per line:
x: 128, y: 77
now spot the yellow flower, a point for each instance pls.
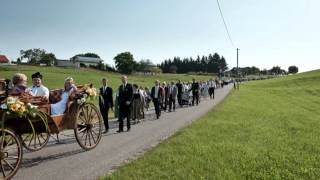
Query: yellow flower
x: 22, y: 109
x: 14, y: 107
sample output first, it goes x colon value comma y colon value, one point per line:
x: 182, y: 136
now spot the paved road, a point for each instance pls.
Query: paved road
x: 68, y: 161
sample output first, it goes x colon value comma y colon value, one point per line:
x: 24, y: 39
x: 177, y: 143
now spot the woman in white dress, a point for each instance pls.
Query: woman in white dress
x: 60, y: 107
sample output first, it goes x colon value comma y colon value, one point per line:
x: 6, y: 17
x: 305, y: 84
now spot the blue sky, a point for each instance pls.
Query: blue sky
x: 268, y: 32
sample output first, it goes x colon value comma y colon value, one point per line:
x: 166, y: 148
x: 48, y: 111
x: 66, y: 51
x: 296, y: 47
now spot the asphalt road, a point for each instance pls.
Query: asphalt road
x: 67, y: 161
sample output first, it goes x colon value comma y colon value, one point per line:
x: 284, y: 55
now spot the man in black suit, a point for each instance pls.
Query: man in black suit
x: 179, y: 86
x: 105, y: 102
x: 195, y: 91
x: 156, y: 95
x: 125, y: 99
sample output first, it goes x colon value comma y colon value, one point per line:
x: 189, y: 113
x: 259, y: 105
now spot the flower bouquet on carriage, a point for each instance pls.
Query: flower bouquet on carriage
x: 89, y: 93
x: 13, y: 105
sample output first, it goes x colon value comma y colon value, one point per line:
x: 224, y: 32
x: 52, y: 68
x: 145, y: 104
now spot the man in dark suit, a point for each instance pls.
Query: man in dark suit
x: 156, y: 95
x: 105, y: 102
x: 173, y: 90
x: 179, y: 87
x: 124, y: 99
x: 195, y: 91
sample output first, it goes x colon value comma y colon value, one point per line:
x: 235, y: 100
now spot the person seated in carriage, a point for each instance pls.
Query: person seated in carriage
x: 37, y: 89
x: 61, y: 106
x: 19, y: 82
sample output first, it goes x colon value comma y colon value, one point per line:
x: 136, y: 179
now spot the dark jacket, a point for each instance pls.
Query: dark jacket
x: 159, y: 92
x: 179, y: 86
x: 125, y: 94
x: 195, y: 87
x: 106, y: 97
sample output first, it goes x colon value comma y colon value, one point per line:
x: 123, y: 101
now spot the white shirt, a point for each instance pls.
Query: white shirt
x: 104, y: 88
x: 40, y: 91
x: 156, y: 91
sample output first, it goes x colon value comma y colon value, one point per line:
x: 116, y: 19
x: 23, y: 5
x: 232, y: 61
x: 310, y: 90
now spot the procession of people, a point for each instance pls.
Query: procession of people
x: 130, y: 101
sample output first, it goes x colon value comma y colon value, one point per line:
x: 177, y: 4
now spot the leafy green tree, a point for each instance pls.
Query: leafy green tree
x: 125, y: 62
x: 48, y: 58
x: 33, y: 56
x: 293, y: 70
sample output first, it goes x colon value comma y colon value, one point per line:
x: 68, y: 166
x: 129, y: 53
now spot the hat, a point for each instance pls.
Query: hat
x: 36, y: 75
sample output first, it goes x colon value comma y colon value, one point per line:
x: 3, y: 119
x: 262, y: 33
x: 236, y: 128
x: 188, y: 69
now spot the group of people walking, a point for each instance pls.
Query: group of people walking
x: 132, y: 100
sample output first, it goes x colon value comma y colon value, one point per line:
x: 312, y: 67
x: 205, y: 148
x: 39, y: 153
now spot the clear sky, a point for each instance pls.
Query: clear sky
x: 268, y: 32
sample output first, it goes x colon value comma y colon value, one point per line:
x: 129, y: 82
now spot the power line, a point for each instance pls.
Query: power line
x: 225, y: 24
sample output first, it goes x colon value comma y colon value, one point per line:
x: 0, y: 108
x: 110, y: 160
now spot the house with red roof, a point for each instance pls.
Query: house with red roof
x: 4, y: 59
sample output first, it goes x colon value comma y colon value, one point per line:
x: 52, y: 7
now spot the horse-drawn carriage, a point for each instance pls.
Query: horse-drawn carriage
x: 32, y: 126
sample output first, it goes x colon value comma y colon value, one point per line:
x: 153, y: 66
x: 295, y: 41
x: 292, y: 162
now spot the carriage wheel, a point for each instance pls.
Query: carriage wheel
x: 10, y: 153
x: 88, y: 126
x: 36, y: 141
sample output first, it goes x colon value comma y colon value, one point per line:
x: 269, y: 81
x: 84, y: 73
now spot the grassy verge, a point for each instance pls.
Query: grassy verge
x: 267, y: 130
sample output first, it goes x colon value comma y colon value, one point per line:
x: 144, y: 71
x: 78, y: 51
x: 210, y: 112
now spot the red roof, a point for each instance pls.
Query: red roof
x: 3, y: 59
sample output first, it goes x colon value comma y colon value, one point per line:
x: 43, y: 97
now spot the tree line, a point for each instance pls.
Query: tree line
x: 205, y: 64
x: 126, y: 64
x: 275, y: 70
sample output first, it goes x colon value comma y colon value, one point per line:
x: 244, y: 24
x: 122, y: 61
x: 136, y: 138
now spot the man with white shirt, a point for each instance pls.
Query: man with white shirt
x: 105, y: 102
x: 38, y: 89
x: 173, y: 91
x: 212, y: 86
x: 125, y: 97
x: 156, y: 95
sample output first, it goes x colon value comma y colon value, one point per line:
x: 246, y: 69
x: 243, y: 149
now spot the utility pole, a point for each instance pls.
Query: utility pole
x: 238, y: 74
x: 238, y: 60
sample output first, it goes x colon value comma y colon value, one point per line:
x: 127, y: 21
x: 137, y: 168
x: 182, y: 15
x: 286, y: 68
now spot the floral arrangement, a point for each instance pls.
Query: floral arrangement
x: 14, y: 105
x: 90, y: 92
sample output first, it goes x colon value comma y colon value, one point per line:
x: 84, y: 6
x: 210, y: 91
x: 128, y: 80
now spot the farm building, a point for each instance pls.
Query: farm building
x: 4, y: 59
x: 78, y: 61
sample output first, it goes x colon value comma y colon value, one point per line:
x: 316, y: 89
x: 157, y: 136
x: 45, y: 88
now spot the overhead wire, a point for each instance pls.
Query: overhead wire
x: 225, y: 25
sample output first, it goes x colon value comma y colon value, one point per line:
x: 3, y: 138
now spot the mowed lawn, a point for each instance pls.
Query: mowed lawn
x: 54, y: 76
x: 266, y: 130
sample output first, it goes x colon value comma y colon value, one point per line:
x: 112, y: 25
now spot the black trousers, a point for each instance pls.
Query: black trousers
x: 156, y: 104
x: 195, y: 96
x: 104, y: 112
x: 179, y: 98
x: 124, y: 112
x: 211, y: 92
x: 172, y: 103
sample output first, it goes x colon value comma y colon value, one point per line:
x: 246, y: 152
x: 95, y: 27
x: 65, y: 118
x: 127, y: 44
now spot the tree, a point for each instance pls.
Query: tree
x: 88, y: 54
x: 143, y: 65
x: 18, y: 60
x: 33, y: 56
x: 293, y: 70
x: 173, y: 69
x: 48, y: 58
x: 125, y: 62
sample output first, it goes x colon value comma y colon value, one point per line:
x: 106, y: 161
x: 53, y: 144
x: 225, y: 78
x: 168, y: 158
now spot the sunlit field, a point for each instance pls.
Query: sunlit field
x: 266, y: 130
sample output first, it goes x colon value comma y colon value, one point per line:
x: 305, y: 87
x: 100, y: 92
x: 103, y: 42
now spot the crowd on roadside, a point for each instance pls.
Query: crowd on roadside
x: 130, y: 101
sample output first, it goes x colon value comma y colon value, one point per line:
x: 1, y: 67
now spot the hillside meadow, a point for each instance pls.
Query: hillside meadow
x: 54, y: 76
x: 266, y: 130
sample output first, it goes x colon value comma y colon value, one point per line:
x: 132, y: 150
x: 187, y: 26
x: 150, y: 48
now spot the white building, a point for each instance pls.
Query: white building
x: 78, y: 62
x: 88, y: 61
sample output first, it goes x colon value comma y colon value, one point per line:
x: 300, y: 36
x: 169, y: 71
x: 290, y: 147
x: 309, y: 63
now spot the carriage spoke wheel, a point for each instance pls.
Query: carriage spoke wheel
x: 88, y: 126
x: 36, y: 141
x: 10, y: 154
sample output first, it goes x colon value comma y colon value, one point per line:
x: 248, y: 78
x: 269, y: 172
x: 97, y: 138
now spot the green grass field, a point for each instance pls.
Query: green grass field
x: 266, y: 130
x: 54, y: 77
